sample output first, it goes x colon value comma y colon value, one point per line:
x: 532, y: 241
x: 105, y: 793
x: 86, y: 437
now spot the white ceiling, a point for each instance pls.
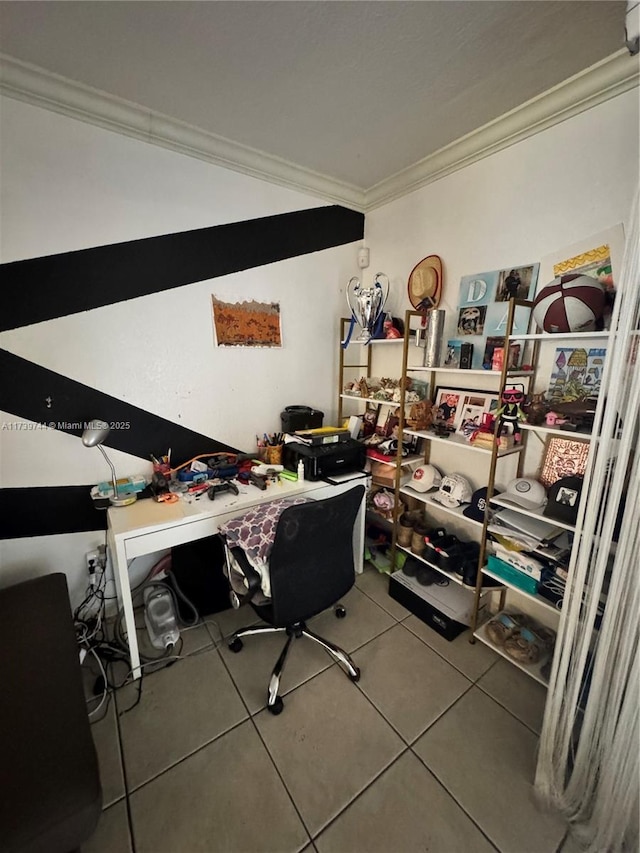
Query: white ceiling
x: 354, y: 91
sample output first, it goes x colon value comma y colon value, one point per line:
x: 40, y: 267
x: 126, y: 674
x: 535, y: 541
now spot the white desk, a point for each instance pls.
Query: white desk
x: 147, y: 526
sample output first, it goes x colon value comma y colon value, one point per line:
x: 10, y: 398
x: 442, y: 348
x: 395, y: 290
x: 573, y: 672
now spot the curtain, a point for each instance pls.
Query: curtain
x: 589, y: 753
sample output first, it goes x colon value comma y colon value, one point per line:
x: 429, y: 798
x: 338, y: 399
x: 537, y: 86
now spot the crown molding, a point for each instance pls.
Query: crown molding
x: 33, y: 85
x: 612, y: 76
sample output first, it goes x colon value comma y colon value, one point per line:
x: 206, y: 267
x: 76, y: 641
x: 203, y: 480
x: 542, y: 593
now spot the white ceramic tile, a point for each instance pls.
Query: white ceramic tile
x: 407, y: 681
x: 181, y: 708
x: 364, y: 620
x: 519, y: 693
x: 227, y: 797
x: 486, y: 759
x: 405, y: 810
x: 376, y: 585
x: 472, y: 659
x: 106, y: 740
x: 329, y: 743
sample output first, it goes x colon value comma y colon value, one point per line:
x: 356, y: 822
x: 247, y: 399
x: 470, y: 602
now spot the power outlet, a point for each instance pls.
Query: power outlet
x: 92, y: 558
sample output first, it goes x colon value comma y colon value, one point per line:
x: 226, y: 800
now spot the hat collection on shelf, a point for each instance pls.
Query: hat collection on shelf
x: 560, y: 503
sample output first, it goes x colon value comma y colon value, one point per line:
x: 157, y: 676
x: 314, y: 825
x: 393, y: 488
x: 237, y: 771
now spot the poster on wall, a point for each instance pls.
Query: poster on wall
x: 484, y: 303
x: 246, y: 324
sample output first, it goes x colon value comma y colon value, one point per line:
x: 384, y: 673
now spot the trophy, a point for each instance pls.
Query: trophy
x: 366, y: 305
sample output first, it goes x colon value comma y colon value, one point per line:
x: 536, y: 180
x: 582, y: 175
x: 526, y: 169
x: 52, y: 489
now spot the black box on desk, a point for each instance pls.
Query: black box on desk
x: 321, y: 462
x: 295, y: 418
x: 446, y: 609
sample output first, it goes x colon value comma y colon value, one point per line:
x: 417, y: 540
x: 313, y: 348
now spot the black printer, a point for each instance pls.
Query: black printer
x: 323, y: 461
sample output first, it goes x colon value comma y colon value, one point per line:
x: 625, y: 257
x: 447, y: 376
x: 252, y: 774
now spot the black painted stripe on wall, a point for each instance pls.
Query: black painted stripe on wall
x: 45, y: 511
x: 25, y: 387
x: 40, y: 289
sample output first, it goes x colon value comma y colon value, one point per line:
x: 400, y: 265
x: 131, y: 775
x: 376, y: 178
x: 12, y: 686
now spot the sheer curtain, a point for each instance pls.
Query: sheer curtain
x: 589, y: 754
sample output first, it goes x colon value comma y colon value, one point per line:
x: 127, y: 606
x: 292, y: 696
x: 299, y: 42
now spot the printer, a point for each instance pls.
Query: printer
x: 322, y: 461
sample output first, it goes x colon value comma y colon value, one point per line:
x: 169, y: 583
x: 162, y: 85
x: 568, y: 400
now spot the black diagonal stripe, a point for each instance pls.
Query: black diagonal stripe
x: 25, y: 388
x: 44, y: 288
x: 48, y: 511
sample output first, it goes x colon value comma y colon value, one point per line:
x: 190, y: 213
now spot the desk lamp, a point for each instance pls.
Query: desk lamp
x: 95, y: 433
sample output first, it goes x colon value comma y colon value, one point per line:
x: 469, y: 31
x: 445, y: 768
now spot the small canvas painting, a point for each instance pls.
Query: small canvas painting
x: 576, y: 374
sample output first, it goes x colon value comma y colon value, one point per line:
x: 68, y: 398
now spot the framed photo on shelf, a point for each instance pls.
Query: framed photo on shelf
x: 473, y: 406
x: 446, y: 403
x: 563, y: 457
x: 455, y: 405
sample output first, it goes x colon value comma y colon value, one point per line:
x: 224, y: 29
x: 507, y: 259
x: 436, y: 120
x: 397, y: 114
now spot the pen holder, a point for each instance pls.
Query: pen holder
x: 261, y: 453
x: 273, y: 454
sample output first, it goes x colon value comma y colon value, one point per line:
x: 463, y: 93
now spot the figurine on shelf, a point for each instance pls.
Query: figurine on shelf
x: 536, y: 409
x: 510, y: 413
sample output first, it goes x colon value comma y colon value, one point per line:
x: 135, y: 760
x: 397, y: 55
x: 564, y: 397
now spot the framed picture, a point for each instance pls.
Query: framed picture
x: 370, y: 419
x: 473, y: 406
x: 563, y: 457
x: 455, y: 405
x: 446, y: 402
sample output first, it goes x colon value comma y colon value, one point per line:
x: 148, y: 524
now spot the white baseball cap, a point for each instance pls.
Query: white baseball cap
x: 525, y: 492
x: 425, y: 477
x: 454, y: 491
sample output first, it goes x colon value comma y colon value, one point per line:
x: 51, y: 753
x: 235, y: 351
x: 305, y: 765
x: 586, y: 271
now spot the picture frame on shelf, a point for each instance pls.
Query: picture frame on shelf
x: 452, y: 356
x: 370, y: 419
x: 451, y: 405
x: 445, y: 404
x: 473, y: 407
x: 563, y: 457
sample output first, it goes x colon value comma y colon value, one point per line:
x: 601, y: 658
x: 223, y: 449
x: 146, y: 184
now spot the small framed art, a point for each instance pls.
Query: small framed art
x: 563, y: 457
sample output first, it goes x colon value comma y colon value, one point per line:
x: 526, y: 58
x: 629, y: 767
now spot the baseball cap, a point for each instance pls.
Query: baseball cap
x: 425, y: 477
x: 525, y: 492
x: 478, y: 504
x: 564, y: 499
x: 454, y: 490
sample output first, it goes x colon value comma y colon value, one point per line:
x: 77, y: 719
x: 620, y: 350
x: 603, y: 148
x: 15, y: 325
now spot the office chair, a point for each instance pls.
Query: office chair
x: 310, y: 566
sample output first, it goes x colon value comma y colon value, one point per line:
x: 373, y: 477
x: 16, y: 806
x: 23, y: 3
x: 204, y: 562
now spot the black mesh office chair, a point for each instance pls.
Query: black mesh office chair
x: 311, y: 566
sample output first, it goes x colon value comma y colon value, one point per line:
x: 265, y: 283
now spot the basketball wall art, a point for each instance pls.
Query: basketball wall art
x: 484, y: 304
x: 246, y: 324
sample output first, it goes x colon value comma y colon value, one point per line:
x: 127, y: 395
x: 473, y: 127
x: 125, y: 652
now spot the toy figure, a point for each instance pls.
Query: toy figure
x: 510, y: 411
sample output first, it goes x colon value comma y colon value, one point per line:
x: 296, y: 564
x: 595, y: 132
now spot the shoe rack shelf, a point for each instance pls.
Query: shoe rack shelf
x: 534, y: 670
x: 538, y: 599
x: 431, y: 441
x: 546, y: 610
x: 456, y: 512
x: 451, y: 576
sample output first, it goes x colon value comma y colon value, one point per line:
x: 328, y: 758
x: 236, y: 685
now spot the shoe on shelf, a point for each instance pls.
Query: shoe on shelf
x: 503, y: 626
x: 525, y: 646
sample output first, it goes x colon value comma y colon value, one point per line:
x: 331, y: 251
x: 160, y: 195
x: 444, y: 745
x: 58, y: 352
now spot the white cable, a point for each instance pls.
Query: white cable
x: 105, y: 690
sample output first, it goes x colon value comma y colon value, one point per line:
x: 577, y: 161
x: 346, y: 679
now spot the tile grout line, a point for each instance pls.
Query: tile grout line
x: 360, y: 793
x: 456, y: 801
x: 262, y: 741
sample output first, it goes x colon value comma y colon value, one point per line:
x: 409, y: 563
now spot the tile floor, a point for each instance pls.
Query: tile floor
x: 433, y: 750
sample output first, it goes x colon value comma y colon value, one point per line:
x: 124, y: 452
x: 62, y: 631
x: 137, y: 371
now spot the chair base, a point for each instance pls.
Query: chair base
x: 295, y: 631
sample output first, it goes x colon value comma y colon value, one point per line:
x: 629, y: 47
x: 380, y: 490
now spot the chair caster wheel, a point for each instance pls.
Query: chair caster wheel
x: 277, y: 707
x: 236, y: 645
x: 355, y: 678
x: 340, y: 612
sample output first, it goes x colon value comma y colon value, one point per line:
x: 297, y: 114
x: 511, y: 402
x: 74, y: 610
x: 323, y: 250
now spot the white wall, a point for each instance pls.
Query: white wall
x: 67, y: 185
x: 546, y: 193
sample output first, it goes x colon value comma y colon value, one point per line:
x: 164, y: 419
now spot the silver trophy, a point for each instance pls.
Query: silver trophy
x: 366, y: 305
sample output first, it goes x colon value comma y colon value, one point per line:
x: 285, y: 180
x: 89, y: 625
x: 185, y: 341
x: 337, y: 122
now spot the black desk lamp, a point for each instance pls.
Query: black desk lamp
x: 95, y: 433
